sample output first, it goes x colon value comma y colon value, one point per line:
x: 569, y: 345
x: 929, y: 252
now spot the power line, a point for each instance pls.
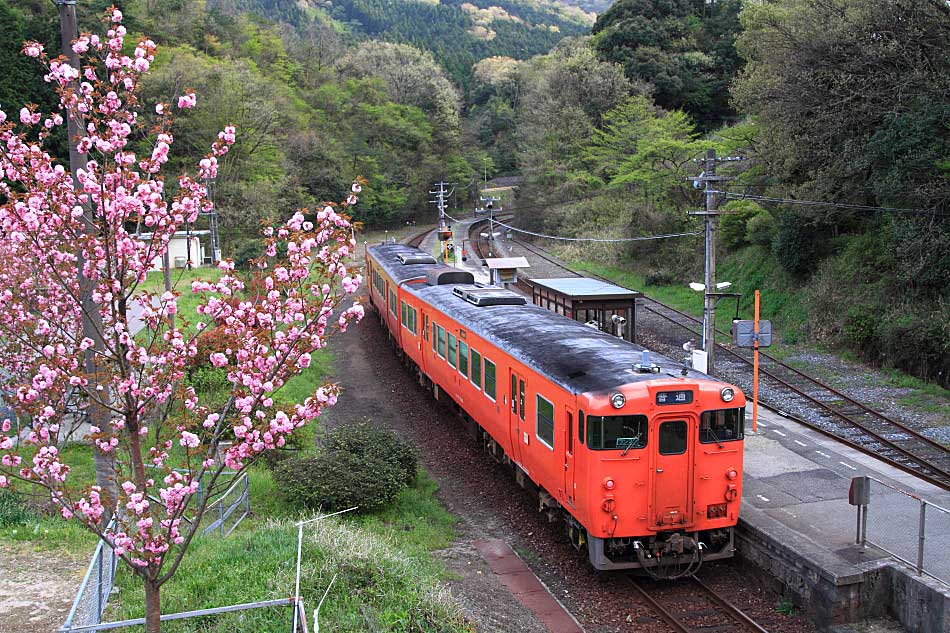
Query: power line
x: 596, y: 239
x: 815, y: 203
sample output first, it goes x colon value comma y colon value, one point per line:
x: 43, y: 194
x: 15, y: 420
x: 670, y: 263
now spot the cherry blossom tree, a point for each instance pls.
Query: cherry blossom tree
x: 164, y: 440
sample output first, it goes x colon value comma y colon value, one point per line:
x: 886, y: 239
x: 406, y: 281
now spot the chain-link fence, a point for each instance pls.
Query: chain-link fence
x: 94, y: 591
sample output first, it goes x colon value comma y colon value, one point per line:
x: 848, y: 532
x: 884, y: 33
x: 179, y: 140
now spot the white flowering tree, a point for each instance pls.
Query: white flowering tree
x: 163, y: 439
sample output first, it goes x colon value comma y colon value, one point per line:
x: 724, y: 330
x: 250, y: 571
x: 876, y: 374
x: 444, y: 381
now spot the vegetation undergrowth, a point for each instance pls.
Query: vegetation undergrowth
x: 385, y: 576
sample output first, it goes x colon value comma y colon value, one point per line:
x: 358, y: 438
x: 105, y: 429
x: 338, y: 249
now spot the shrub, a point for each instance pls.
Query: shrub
x: 760, y: 229
x: 371, y: 441
x: 735, y: 219
x: 795, y: 245
x: 211, y: 383
x: 337, y: 480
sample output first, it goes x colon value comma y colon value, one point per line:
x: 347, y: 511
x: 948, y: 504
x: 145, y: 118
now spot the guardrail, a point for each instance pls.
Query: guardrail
x: 889, y: 530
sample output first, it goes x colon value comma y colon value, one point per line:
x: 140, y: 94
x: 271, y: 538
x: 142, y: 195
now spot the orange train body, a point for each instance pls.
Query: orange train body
x: 641, y: 457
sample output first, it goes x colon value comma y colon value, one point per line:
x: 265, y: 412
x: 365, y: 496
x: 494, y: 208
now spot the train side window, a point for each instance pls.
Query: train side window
x: 545, y: 421
x: 490, y: 379
x: 612, y: 432
x: 580, y: 427
x: 521, y: 399
x: 441, y: 350
x: 514, y: 393
x: 673, y: 437
x: 392, y: 303
x: 412, y: 318
x: 476, y: 369
x: 463, y: 359
x: 722, y: 425
x: 452, y: 342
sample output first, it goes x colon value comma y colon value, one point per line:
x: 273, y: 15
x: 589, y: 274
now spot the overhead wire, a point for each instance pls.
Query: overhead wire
x: 817, y: 203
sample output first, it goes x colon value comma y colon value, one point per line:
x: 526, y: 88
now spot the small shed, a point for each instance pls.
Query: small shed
x: 504, y: 270
x: 612, y: 308
x: 180, y: 246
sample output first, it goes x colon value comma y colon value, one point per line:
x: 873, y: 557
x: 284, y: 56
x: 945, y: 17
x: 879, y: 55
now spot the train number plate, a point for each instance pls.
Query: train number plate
x: 674, y: 397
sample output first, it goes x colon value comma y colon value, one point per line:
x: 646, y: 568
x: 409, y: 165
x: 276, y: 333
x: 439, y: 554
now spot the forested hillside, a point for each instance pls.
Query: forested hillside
x: 457, y: 33
x: 830, y: 101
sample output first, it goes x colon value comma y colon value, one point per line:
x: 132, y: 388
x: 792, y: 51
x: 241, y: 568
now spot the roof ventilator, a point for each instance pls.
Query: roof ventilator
x: 415, y: 258
x: 488, y: 296
x: 645, y: 366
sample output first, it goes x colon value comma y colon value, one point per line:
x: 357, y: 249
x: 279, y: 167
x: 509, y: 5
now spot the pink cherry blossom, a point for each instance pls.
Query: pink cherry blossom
x: 142, y: 403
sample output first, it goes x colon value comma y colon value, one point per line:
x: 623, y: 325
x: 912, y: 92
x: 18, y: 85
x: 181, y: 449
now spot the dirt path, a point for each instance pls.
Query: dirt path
x: 37, y: 588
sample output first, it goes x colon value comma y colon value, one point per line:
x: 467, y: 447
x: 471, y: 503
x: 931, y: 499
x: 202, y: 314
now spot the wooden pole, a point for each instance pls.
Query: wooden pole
x: 755, y: 366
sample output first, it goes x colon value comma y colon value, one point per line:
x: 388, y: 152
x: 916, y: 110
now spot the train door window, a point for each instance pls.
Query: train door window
x: 441, y: 351
x: 476, y: 369
x: 514, y: 393
x: 412, y: 318
x: 392, y: 302
x: 521, y: 399
x: 673, y: 437
x: 402, y: 314
x: 570, y: 432
x: 425, y: 325
x: 435, y: 339
x: 723, y: 425
x: 490, y: 379
x: 463, y: 359
x: 580, y: 427
x: 452, y: 349
x: 545, y: 421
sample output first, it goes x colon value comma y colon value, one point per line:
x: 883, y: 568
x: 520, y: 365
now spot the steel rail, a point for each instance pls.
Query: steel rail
x: 662, y: 611
x: 730, y: 610
x: 734, y: 612
x: 924, y: 463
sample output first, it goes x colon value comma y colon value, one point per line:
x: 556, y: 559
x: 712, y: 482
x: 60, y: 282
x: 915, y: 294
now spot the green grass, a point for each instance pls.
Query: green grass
x: 386, y: 578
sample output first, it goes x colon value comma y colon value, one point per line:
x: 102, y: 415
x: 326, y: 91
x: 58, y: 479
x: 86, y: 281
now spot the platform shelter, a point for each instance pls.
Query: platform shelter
x: 587, y: 300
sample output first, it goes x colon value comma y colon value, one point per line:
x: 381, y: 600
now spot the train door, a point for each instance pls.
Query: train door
x: 518, y: 428
x: 673, y: 460
x: 569, y: 455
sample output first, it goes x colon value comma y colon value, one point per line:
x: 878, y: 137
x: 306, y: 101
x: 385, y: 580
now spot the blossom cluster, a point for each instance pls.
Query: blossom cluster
x: 62, y: 240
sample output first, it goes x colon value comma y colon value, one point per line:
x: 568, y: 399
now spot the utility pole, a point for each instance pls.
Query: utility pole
x: 445, y: 233
x: 710, y: 216
x: 91, y: 319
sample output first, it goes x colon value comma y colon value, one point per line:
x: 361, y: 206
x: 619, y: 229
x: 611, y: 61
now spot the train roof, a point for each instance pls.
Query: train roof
x: 579, y: 358
x: 390, y: 257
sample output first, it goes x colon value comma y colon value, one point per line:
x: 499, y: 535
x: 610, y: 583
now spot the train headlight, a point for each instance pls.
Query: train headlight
x: 618, y: 400
x: 609, y: 484
x: 727, y: 394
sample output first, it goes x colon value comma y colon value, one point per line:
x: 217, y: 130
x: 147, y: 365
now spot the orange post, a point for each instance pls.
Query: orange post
x: 755, y: 366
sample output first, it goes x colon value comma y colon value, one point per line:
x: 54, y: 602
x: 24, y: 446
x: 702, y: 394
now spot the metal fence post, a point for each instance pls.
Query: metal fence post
x: 221, y: 516
x: 99, y: 586
x: 921, y: 536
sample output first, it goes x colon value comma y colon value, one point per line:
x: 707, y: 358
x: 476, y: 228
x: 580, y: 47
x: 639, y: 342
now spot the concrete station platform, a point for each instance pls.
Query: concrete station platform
x: 797, y: 524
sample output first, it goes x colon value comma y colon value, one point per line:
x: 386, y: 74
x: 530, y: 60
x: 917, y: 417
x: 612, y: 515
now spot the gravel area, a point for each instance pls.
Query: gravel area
x: 489, y: 504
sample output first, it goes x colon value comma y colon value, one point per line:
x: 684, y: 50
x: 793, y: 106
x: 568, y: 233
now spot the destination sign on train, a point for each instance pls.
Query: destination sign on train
x: 674, y: 397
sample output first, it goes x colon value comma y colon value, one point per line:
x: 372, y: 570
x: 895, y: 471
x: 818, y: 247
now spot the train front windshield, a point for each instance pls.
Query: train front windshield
x: 723, y: 425
x: 611, y: 432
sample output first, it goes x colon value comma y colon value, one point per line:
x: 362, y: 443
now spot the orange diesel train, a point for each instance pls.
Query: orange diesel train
x: 641, y: 457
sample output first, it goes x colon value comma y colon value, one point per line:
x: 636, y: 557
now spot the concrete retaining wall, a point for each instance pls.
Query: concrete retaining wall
x: 830, y: 590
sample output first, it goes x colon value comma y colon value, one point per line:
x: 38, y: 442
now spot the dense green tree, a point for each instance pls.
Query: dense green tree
x: 684, y: 48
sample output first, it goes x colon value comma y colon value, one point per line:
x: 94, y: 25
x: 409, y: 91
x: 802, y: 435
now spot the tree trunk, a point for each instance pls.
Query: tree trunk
x: 153, y: 608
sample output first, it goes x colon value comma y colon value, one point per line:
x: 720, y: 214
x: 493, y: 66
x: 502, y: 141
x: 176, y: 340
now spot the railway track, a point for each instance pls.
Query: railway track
x: 691, y: 616
x: 841, y: 417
